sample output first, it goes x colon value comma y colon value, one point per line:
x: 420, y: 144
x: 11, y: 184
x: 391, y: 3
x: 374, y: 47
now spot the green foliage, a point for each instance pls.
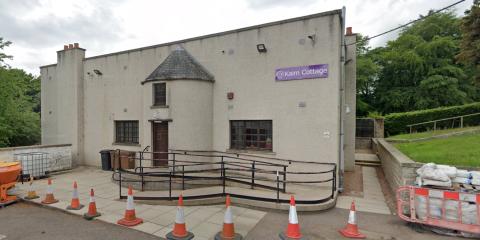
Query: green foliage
x: 19, y: 108
x: 367, y: 71
x: 470, y: 44
x: 4, y: 56
x: 416, y: 71
x: 396, y: 123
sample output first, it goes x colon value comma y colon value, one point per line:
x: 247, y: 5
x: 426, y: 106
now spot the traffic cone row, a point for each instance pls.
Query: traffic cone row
x: 49, y: 198
x: 228, y: 231
x: 92, y: 207
x: 351, y: 230
x: 293, y: 228
x: 180, y: 232
x: 75, y: 204
x: 130, y: 218
x: 31, y: 194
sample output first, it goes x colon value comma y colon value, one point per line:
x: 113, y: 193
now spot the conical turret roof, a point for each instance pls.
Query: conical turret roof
x: 180, y: 65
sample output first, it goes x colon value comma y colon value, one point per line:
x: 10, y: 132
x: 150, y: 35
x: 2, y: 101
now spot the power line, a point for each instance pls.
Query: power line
x: 406, y: 24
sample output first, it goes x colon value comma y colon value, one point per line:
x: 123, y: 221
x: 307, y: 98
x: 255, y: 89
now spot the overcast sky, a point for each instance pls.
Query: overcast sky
x: 38, y: 28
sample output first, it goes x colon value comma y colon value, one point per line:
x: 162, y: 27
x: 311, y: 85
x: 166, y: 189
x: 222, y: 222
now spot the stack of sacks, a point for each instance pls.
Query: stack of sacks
x: 462, y: 176
x: 469, y: 210
x: 433, y: 175
x: 475, y: 178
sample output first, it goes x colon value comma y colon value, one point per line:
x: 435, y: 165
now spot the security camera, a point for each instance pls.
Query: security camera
x: 312, y: 37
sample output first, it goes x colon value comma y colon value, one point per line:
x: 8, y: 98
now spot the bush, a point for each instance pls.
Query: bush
x: 396, y: 123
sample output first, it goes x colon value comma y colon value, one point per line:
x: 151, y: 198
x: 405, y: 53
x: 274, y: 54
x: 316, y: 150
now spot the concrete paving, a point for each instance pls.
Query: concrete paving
x: 159, y: 219
x: 367, y: 157
x: 325, y: 225
x: 28, y: 221
x: 373, y: 199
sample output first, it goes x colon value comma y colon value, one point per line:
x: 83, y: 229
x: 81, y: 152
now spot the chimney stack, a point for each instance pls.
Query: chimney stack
x: 349, y: 31
x: 76, y: 45
x: 70, y: 46
x: 65, y: 47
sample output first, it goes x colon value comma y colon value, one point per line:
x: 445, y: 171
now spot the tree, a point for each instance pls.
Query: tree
x: 470, y: 43
x: 418, y: 70
x: 367, y: 71
x: 4, y: 56
x: 20, y: 105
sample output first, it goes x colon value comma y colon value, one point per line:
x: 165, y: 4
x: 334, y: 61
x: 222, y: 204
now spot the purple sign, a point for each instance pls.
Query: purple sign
x: 302, y: 72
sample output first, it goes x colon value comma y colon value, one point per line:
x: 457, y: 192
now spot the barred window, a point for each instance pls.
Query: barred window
x: 251, y: 134
x: 159, y: 94
x: 126, y: 132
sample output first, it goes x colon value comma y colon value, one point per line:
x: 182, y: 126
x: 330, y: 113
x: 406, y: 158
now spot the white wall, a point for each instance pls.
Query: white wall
x: 58, y: 157
x: 298, y: 133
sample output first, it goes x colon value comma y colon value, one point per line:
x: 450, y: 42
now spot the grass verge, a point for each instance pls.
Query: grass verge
x: 463, y: 150
x: 427, y: 134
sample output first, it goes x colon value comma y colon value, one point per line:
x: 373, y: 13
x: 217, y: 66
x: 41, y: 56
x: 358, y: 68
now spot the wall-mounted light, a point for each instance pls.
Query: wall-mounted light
x: 96, y: 71
x: 230, y: 95
x: 261, y: 48
x: 312, y: 37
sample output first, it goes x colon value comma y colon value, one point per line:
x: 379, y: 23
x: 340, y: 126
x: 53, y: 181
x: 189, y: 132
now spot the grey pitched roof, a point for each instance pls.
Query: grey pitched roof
x: 180, y: 65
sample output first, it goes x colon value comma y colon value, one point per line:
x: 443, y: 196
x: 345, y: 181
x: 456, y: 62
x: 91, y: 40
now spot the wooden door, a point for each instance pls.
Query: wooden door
x: 160, y: 143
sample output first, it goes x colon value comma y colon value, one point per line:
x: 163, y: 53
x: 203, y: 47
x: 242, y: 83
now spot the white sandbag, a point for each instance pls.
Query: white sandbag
x: 449, y: 170
x: 475, y: 181
x: 421, y: 207
x: 469, y: 213
x: 430, y: 182
x: 463, y: 173
x: 462, y: 180
x: 430, y: 171
x: 475, y: 174
x: 418, y: 181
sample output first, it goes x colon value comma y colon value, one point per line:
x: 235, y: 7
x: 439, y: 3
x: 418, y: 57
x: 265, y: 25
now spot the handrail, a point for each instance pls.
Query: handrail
x: 443, y: 119
x: 225, y: 166
x: 410, y: 126
x: 252, y: 155
x: 199, y: 155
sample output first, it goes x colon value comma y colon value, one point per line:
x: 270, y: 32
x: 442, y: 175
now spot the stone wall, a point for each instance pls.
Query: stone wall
x: 398, y: 168
x: 59, y: 157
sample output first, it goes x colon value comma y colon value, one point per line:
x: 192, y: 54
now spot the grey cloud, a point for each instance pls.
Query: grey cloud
x: 99, y: 26
x: 275, y: 3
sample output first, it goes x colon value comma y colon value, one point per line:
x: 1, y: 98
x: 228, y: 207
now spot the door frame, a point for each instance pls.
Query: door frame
x: 153, y: 122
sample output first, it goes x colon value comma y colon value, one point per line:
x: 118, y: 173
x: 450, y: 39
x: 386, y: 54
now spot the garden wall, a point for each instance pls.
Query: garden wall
x: 59, y: 157
x: 398, y: 168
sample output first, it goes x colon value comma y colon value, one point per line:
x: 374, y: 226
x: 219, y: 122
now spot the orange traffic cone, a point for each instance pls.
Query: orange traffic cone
x: 228, y: 228
x: 180, y: 229
x: 92, y: 208
x: 31, y: 194
x: 75, y: 204
x: 49, y: 198
x: 293, y: 229
x: 130, y: 219
x: 351, y: 230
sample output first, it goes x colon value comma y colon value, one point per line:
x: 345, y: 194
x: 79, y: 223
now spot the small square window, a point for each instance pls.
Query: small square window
x: 126, y: 132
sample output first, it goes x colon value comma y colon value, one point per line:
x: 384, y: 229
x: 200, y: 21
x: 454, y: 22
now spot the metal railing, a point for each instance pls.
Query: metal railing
x: 450, y: 122
x: 252, y: 171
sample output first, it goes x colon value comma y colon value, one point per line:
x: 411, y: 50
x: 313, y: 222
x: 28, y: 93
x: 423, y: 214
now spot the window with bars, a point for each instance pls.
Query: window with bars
x: 251, y: 134
x: 159, y: 94
x: 126, y: 132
